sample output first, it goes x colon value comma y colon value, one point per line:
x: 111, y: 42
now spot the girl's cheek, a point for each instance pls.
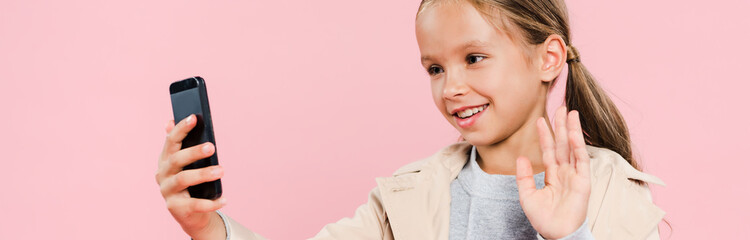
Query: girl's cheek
x: 440, y: 106
x: 437, y: 95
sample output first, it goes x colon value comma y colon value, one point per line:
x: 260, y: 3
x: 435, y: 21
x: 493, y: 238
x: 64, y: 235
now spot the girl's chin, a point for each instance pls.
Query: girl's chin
x: 477, y: 139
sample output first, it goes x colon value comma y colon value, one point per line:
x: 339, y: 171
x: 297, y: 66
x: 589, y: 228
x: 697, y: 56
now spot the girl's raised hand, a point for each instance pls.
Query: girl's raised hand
x: 560, y: 207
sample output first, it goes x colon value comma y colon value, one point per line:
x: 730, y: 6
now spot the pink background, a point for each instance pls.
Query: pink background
x: 314, y: 99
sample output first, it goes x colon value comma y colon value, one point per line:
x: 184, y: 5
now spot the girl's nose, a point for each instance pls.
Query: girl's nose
x: 454, y: 87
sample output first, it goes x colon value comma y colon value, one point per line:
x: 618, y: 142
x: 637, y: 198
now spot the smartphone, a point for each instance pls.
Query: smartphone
x: 189, y: 97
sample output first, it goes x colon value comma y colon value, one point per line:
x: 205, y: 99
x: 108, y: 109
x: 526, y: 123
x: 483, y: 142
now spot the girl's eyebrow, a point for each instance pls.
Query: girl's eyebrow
x: 473, y: 44
x: 426, y: 58
x: 461, y: 48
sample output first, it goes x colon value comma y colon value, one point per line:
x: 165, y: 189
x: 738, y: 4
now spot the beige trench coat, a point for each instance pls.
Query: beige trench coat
x: 414, y: 203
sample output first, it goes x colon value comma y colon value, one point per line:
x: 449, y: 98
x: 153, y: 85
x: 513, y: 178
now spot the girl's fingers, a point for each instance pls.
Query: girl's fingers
x: 205, y: 205
x: 578, y: 144
x: 547, y: 143
x: 524, y: 178
x: 170, y: 126
x: 174, y: 139
x: 189, y: 155
x: 187, y: 178
x: 561, y: 137
x: 187, y: 206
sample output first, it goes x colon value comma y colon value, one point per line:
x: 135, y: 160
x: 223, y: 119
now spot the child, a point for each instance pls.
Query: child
x: 492, y: 65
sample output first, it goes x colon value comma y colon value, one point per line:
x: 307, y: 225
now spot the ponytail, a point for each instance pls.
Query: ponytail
x: 602, y: 124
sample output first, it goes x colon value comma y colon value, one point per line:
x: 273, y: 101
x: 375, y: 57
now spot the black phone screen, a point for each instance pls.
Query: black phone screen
x: 189, y: 96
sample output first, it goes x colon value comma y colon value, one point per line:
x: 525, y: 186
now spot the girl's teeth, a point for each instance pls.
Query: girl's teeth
x: 470, y: 112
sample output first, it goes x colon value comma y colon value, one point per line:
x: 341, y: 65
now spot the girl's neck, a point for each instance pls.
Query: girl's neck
x: 500, y: 158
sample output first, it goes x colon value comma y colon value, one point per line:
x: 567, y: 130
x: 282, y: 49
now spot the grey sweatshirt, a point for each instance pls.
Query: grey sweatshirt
x: 486, y: 206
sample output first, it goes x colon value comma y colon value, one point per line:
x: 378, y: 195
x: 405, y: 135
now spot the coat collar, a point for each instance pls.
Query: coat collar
x: 417, y: 197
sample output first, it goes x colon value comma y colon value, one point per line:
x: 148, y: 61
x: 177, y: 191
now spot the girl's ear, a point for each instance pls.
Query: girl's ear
x: 553, y: 56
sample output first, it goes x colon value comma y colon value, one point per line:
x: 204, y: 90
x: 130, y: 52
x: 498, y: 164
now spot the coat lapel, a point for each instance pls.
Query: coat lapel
x: 417, y: 198
x: 406, y: 209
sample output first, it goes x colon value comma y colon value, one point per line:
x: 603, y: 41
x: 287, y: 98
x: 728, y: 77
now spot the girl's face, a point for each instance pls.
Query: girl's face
x: 481, y: 81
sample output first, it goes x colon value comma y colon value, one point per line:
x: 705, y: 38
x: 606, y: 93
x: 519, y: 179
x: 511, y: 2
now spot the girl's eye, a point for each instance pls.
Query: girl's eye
x: 472, y: 59
x: 434, y: 70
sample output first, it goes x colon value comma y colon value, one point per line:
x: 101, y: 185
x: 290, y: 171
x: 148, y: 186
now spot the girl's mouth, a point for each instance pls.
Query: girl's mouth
x: 466, y: 118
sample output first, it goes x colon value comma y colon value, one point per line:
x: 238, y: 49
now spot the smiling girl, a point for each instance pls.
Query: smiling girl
x: 492, y: 64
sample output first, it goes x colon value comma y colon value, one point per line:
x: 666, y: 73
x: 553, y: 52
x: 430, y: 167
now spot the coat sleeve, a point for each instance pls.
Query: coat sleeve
x: 369, y: 222
x: 235, y: 230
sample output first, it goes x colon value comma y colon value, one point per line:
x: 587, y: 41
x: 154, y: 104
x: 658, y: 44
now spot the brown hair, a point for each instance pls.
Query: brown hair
x: 534, y: 21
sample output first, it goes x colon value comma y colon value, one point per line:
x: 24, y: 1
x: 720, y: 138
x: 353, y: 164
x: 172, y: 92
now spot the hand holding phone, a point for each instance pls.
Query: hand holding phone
x: 197, y: 216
